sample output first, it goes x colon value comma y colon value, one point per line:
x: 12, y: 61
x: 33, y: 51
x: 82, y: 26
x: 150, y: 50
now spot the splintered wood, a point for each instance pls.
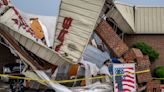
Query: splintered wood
x: 111, y: 39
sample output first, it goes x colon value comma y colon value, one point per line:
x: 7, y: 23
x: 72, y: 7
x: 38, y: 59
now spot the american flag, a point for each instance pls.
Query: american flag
x: 125, y: 83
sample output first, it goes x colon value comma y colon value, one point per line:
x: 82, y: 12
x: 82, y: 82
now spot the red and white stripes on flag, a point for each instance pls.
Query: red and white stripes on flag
x: 127, y: 82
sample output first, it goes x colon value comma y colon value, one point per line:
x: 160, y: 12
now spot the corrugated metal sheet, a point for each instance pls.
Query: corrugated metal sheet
x: 98, y: 58
x: 123, y: 16
x: 127, y: 13
x: 138, y: 19
x: 149, y: 20
x: 84, y: 14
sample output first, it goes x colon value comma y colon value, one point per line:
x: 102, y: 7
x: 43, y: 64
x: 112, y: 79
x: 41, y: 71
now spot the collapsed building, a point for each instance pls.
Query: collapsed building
x: 92, y: 30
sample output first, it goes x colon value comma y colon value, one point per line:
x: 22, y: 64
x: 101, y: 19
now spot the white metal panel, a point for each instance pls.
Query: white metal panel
x: 35, y: 48
x: 127, y: 13
x: 11, y: 33
x: 48, y: 55
x: 43, y: 52
x: 23, y: 40
x: 54, y: 59
x: 149, y: 20
x: 76, y: 31
x: 29, y: 44
x: 17, y: 36
x: 83, y: 4
x: 78, y: 10
x: 119, y: 19
x: 84, y: 14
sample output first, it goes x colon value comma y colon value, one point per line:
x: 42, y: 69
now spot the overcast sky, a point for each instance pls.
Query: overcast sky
x: 50, y: 7
x: 145, y: 2
x: 42, y: 7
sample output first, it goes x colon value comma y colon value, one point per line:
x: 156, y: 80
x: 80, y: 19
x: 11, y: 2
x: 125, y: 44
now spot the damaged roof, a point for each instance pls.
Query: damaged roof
x: 138, y: 19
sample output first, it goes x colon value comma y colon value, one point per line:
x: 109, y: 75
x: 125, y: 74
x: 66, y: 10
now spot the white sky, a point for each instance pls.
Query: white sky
x: 50, y: 7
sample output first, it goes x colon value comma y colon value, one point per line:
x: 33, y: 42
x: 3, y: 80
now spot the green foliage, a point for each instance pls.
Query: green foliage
x: 159, y: 73
x: 147, y: 50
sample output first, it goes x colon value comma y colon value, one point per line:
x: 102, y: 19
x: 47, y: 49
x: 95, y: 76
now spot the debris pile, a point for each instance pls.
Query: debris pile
x: 122, y: 52
x: 72, y: 33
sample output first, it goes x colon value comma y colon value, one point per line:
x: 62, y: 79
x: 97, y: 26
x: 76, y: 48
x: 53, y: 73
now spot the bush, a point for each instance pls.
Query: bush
x: 147, y: 50
x: 159, y: 72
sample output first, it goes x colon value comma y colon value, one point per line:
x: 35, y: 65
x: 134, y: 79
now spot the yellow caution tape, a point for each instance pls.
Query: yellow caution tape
x: 74, y: 80
x: 158, y: 78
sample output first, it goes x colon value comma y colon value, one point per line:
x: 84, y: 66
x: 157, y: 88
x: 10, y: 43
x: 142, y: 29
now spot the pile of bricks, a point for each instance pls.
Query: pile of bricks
x: 111, y: 39
x: 153, y: 86
x: 143, y: 64
x: 120, y: 49
x: 144, y: 61
x: 132, y: 54
x: 143, y: 77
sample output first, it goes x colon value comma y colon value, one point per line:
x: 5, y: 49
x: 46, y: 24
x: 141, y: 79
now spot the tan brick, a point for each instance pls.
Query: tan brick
x: 132, y: 54
x: 143, y: 61
x: 153, y: 86
x: 111, y: 39
x: 143, y: 77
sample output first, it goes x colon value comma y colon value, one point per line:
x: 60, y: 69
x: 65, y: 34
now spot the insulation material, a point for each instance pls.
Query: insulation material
x: 91, y: 69
x: 57, y: 87
x: 111, y: 39
x: 73, y: 70
x: 132, y: 54
x: 93, y: 43
x: 48, y: 24
x: 75, y: 24
x: 96, y: 87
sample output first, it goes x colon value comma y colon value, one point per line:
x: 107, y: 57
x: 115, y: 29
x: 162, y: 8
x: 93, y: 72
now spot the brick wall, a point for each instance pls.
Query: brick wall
x: 156, y: 41
x: 5, y: 57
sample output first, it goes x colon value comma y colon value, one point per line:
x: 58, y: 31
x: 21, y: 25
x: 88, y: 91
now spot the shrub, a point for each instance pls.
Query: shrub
x: 147, y: 50
x: 159, y: 72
